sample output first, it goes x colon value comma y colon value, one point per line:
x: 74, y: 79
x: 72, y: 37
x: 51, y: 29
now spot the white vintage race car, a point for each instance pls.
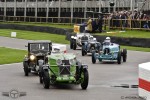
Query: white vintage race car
x: 59, y: 48
x: 78, y: 39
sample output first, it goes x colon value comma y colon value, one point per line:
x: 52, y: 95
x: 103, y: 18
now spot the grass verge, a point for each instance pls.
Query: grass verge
x: 30, y: 35
x: 136, y: 48
x: 127, y: 33
x: 8, y: 55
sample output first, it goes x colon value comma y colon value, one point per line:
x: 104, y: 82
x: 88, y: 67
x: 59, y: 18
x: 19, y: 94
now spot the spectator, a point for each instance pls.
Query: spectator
x: 89, y: 25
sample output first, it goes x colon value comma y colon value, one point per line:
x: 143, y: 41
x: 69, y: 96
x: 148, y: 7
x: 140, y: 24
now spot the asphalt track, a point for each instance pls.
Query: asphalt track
x: 105, y: 80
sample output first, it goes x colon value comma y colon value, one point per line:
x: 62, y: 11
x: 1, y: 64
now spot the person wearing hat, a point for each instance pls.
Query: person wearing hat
x: 89, y: 25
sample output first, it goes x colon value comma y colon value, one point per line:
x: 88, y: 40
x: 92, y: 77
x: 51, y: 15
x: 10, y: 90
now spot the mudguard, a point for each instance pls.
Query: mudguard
x: 25, y: 59
x: 84, y: 66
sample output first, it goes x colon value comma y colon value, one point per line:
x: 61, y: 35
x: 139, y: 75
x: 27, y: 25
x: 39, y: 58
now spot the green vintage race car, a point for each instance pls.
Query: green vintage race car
x: 63, y: 68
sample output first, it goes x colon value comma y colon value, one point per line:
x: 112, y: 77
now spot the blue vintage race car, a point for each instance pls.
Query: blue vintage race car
x: 110, y: 53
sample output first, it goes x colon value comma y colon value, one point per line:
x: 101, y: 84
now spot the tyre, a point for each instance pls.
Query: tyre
x: 124, y: 55
x: 84, y: 83
x: 41, y: 80
x: 83, y: 50
x: 74, y: 45
x: 46, y: 80
x: 119, y: 58
x: 93, y: 57
x: 26, y: 69
x: 71, y: 44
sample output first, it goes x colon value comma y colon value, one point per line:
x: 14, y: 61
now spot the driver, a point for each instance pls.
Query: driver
x: 107, y: 41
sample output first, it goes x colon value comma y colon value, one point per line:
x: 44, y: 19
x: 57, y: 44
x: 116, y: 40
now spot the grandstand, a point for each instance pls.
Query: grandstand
x: 67, y: 8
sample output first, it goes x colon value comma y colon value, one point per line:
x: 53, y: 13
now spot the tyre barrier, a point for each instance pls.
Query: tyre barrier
x: 144, y: 81
x: 138, y: 42
x: 35, y: 28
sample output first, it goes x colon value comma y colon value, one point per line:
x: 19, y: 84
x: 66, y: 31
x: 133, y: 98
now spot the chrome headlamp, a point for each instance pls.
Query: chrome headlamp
x: 72, y: 61
x: 32, y: 57
x: 59, y: 62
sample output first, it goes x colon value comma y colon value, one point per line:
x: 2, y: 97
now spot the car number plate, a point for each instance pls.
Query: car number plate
x: 65, y: 77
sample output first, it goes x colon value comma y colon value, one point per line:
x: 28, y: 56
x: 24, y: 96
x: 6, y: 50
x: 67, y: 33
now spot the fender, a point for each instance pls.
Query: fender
x: 26, y: 59
x: 84, y: 66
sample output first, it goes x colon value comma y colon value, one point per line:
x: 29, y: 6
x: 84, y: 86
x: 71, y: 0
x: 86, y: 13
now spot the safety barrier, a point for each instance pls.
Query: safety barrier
x: 144, y: 81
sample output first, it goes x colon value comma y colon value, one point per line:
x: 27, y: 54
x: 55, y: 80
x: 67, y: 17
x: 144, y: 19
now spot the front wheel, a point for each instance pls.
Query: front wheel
x: 93, y: 58
x: 83, y: 50
x: 119, y: 58
x: 41, y: 80
x: 46, y: 80
x: 26, y: 69
x: 85, y: 80
x: 124, y: 55
x: 74, y: 45
x: 71, y: 44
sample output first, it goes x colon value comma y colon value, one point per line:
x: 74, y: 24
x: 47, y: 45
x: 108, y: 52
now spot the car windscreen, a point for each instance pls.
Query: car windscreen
x: 115, y: 49
x: 39, y: 47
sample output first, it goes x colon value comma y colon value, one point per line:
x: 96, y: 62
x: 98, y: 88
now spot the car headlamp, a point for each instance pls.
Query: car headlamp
x: 32, y: 57
x: 59, y: 62
x: 72, y: 61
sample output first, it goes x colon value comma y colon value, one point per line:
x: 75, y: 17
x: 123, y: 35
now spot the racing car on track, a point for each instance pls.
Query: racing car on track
x: 90, y: 45
x: 64, y: 68
x: 78, y: 39
x: 37, y: 50
x: 111, y: 52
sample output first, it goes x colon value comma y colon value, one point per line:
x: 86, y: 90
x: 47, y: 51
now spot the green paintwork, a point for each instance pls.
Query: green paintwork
x: 54, y: 67
x: 62, y: 56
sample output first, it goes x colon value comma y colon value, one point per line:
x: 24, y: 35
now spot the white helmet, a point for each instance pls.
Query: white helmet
x: 107, y: 38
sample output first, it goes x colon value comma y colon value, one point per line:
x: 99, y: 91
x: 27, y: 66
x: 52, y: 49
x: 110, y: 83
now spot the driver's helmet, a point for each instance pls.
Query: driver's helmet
x: 107, y: 39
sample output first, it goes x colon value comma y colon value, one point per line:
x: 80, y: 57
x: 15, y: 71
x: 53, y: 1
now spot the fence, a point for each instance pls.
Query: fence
x: 41, y: 19
x: 129, y: 24
x: 111, y: 24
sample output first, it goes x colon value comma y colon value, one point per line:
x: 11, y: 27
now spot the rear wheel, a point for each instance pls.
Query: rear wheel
x: 46, y: 79
x: 119, y: 58
x: 93, y: 57
x: 85, y: 81
x: 124, y: 55
x: 26, y: 69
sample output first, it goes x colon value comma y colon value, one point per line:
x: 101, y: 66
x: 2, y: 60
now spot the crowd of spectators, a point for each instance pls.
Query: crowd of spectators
x: 128, y: 19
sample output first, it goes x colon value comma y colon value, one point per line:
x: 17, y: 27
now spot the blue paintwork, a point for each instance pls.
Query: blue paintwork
x: 113, y: 55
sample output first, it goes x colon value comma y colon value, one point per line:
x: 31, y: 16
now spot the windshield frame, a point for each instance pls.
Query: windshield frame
x: 39, y: 47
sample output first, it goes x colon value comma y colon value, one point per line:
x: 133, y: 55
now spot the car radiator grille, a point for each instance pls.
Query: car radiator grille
x: 64, y: 68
